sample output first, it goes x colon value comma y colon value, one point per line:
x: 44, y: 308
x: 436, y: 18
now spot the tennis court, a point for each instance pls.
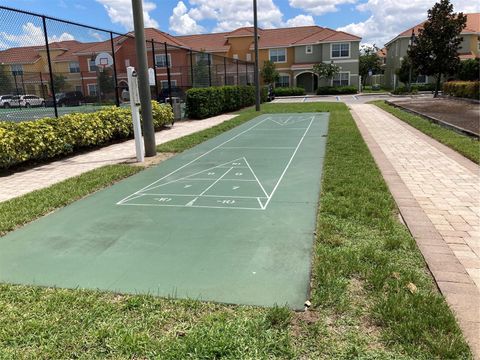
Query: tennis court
x: 35, y: 113
x: 230, y: 220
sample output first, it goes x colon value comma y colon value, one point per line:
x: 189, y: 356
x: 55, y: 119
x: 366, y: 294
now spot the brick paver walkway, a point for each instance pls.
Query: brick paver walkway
x: 45, y: 175
x: 438, y: 194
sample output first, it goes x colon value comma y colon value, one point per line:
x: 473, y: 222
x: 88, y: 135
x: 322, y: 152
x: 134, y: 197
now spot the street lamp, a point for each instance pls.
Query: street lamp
x: 411, y: 42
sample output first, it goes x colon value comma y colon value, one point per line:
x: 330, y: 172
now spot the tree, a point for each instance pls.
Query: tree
x: 404, y: 72
x: 5, y: 81
x: 435, y: 52
x: 369, y: 61
x: 59, y: 83
x: 327, y: 71
x: 269, y: 74
x: 469, y: 70
x: 105, y: 82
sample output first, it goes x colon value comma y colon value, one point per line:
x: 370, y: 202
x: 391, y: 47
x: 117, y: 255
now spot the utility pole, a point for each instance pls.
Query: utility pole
x: 255, y: 75
x: 410, y: 70
x: 143, y: 83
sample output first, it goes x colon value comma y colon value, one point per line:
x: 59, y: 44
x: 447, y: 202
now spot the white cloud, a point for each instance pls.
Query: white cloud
x: 388, y: 18
x: 319, y: 7
x: 120, y: 11
x: 31, y: 35
x: 300, y: 20
x: 183, y: 23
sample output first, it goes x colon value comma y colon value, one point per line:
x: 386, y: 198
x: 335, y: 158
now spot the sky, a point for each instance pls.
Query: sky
x: 376, y: 21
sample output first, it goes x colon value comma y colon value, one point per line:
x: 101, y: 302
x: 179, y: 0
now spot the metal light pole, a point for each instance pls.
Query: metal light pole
x: 256, y: 80
x: 410, y: 70
x: 143, y: 84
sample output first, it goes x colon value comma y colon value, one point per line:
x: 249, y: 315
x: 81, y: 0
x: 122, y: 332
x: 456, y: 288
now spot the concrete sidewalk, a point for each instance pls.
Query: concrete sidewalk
x: 438, y: 194
x: 43, y: 176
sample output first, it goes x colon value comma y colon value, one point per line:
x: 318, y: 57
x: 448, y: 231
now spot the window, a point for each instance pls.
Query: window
x: 278, y: 55
x: 421, y: 79
x: 309, y: 49
x: 283, y: 81
x: 235, y: 56
x: 341, y: 79
x: 78, y: 88
x: 164, y: 83
x: 202, y: 58
x: 17, y: 69
x: 127, y: 63
x: 91, y: 65
x: 161, y: 60
x: 340, y: 50
x: 74, y: 67
x: 249, y: 57
x: 92, y: 89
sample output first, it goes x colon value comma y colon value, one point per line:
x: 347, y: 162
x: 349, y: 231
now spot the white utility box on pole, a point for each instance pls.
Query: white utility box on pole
x: 135, y: 106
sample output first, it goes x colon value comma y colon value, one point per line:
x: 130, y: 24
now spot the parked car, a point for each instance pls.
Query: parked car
x: 30, y: 100
x: 71, y: 98
x: 14, y: 101
x: 5, y: 101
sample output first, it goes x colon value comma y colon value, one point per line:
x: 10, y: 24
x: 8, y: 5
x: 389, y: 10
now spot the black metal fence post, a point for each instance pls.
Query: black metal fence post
x: 246, y: 73
x: 154, y: 69
x: 209, y: 71
x: 41, y: 86
x: 115, y: 81
x: 225, y: 71
x: 238, y: 74
x: 50, y: 66
x: 168, y: 75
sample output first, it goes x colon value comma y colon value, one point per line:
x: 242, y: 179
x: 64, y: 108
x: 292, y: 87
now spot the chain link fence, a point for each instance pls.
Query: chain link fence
x: 51, y: 67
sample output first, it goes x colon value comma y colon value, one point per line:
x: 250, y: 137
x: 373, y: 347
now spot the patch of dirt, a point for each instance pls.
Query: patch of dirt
x: 302, y: 318
x: 461, y: 113
x: 150, y: 161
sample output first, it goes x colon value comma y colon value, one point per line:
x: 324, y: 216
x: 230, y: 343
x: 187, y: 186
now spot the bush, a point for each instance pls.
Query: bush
x: 404, y: 90
x: 464, y: 89
x: 48, y: 138
x: 424, y: 87
x: 289, y: 91
x: 210, y: 101
x: 336, y: 90
x: 469, y: 70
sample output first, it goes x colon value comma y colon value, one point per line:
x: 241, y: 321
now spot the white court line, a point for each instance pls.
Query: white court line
x: 197, y: 206
x: 284, y: 129
x: 258, y: 148
x: 256, y: 178
x: 208, y: 188
x: 187, y: 177
x: 200, y: 179
x: 289, y: 162
x: 192, y: 161
x: 210, y: 196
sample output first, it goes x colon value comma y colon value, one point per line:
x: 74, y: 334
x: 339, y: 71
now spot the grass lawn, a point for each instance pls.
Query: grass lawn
x: 364, y: 304
x: 463, y: 144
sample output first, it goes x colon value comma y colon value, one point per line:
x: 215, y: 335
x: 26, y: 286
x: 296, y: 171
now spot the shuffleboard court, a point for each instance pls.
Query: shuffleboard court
x: 230, y: 220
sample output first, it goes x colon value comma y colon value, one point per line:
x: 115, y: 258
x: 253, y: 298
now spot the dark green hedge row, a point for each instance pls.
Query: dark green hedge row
x: 464, y: 89
x: 48, y: 138
x: 289, y: 91
x: 210, y: 101
x: 336, y: 90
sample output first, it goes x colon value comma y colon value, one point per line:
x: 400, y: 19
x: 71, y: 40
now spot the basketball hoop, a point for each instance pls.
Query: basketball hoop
x: 103, y: 60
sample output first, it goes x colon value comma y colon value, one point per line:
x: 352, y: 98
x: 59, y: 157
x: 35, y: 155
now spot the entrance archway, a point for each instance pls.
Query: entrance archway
x: 308, y: 80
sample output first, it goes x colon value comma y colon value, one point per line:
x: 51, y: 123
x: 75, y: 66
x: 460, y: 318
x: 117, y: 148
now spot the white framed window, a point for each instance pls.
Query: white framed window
x: 248, y: 57
x: 17, y: 69
x: 74, y: 67
x: 283, y: 81
x: 308, y: 49
x: 161, y: 60
x: 235, y: 56
x: 341, y: 79
x: 340, y: 50
x: 92, y: 89
x: 91, y: 65
x: 164, y: 83
x: 202, y: 58
x: 278, y: 55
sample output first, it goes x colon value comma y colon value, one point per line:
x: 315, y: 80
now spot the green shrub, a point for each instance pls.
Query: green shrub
x: 336, y: 90
x: 210, y: 101
x: 48, y: 138
x: 469, y: 70
x: 424, y: 87
x: 289, y: 91
x: 464, y: 89
x: 404, y: 90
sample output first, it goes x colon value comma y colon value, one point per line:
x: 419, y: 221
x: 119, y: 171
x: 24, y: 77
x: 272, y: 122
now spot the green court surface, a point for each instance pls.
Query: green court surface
x: 231, y: 220
x: 35, y: 113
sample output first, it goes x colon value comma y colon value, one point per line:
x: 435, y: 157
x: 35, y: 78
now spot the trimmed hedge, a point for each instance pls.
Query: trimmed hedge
x: 464, y: 89
x: 210, y: 101
x: 49, y: 137
x: 336, y: 90
x: 404, y: 90
x: 289, y: 91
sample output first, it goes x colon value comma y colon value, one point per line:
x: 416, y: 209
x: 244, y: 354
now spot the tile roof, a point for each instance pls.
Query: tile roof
x: 162, y: 37
x: 382, y: 52
x: 215, y: 42
x: 473, y: 25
